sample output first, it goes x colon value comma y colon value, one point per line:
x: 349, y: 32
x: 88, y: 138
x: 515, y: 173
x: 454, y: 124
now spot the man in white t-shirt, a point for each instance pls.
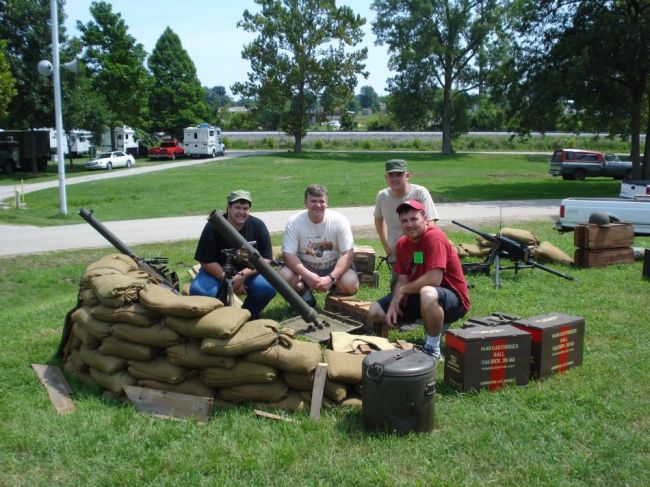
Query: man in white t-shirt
x: 388, y: 199
x: 318, y: 249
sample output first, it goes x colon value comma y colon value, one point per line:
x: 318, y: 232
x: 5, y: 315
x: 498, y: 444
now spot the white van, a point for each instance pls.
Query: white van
x: 124, y: 140
x: 203, y: 141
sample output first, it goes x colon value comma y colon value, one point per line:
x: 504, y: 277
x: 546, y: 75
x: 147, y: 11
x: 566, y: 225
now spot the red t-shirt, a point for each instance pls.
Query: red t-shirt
x: 433, y: 251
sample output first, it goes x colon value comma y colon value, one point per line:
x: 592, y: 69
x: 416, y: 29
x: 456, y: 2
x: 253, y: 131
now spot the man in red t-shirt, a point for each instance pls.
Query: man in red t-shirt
x: 430, y: 284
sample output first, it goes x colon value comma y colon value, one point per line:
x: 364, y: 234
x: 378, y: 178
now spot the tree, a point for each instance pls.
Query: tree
x: 216, y: 99
x: 435, y: 44
x: 115, y: 62
x: 300, y: 50
x: 177, y: 97
x: 7, y: 82
x: 368, y: 98
x: 593, y: 56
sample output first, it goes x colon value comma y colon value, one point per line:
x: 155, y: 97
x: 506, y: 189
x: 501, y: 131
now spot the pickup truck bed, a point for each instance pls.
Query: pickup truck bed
x: 577, y: 210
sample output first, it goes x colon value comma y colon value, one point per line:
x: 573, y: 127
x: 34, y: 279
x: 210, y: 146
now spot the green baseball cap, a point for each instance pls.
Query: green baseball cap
x: 239, y: 194
x: 396, y: 165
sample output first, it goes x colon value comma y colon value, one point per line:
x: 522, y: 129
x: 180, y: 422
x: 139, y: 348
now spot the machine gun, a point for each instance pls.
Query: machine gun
x: 509, y: 248
x: 155, y: 268
x: 226, y: 293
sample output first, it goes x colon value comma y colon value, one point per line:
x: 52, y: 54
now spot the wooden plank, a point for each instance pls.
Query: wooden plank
x: 56, y: 386
x: 170, y: 405
x: 364, y: 348
x: 317, y: 390
x: 403, y: 344
x: 276, y: 417
x: 590, y: 236
x: 604, y: 257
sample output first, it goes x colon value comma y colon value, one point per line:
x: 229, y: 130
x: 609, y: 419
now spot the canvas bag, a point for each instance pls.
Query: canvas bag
x: 547, y: 252
x: 293, y: 402
x: 97, y: 328
x: 157, y: 335
x: 86, y: 338
x: 104, y: 363
x: 191, y: 385
x: 256, y: 335
x: 222, y: 322
x: 127, y: 350
x: 113, y: 382
x: 189, y: 355
x: 162, y: 300
x: 270, y: 392
x: 243, y: 372
x: 133, y: 314
x: 524, y: 237
x: 114, y: 290
x: 299, y: 382
x: 294, y: 356
x: 344, y: 367
x: 159, y: 369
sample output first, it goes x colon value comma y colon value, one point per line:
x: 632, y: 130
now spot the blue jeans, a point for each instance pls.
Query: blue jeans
x: 259, y: 291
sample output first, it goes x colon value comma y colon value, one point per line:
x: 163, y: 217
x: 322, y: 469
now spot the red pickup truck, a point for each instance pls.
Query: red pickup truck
x: 169, y: 149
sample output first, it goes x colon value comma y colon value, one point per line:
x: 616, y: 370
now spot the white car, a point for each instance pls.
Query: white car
x: 109, y: 160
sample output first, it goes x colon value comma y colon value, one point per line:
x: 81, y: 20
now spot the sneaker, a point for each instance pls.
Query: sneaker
x: 435, y: 354
x: 308, y: 298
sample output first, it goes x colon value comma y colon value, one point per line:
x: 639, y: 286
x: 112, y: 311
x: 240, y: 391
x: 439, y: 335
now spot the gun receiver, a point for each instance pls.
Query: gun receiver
x: 507, y: 247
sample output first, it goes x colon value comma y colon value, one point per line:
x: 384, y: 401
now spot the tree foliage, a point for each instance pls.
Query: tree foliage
x: 177, y: 98
x: 300, y: 51
x: 115, y: 62
x: 435, y: 44
x: 368, y: 98
x: 7, y: 82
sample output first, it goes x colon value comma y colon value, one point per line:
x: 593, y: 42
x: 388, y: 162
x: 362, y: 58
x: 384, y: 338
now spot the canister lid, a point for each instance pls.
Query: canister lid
x: 398, y: 363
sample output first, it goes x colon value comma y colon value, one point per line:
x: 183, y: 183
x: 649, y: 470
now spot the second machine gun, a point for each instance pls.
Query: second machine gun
x: 520, y: 255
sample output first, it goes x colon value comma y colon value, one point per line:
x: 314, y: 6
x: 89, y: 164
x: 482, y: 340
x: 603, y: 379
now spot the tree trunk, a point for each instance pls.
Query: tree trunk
x: 446, y: 114
x: 635, y: 128
x: 32, y: 144
x: 297, y: 146
x: 645, y: 163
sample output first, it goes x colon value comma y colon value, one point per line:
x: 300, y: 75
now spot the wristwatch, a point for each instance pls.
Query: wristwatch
x: 333, y: 279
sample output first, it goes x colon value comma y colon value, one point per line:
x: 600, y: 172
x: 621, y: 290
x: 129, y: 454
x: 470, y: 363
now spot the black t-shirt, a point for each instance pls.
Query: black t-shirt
x: 211, y: 243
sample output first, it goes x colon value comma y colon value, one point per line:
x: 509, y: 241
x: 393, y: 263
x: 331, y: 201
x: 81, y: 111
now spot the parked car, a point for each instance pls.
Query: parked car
x: 169, y: 149
x: 631, y: 188
x: 579, y: 164
x: 629, y: 210
x: 109, y: 160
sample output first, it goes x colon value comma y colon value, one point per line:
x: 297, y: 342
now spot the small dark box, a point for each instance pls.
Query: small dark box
x: 370, y: 279
x: 364, y: 258
x: 487, y: 357
x: 557, y: 345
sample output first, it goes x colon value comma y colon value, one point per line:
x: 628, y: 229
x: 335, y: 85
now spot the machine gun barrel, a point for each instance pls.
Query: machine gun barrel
x: 124, y: 249
x: 507, y: 245
x: 234, y: 238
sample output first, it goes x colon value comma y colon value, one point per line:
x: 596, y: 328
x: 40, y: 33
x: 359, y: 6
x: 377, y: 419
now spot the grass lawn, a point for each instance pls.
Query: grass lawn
x: 587, y: 427
x: 277, y: 182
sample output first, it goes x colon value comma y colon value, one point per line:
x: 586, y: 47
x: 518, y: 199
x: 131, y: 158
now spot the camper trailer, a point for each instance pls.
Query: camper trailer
x: 124, y: 140
x: 53, y: 142
x: 81, y: 143
x: 203, y: 141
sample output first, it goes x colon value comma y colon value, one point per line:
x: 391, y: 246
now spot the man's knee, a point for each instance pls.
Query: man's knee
x: 376, y: 312
x: 429, y: 296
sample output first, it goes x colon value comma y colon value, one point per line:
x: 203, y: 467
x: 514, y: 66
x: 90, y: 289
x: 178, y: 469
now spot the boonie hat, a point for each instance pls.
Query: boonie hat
x: 601, y: 219
x: 239, y: 194
x: 396, y: 165
x: 413, y: 204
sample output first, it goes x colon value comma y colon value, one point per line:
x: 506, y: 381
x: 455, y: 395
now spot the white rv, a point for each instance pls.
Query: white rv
x: 124, y: 140
x: 53, y: 142
x: 203, y: 141
x: 81, y: 142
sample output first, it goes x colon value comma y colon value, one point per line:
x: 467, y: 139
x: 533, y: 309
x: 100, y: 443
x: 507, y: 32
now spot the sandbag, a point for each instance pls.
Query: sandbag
x: 75, y: 361
x: 82, y: 376
x: 547, y: 252
x: 87, y: 297
x: 293, y: 402
x: 473, y: 250
x: 191, y: 385
x: 272, y: 391
x: 133, y: 314
x: 97, y: 328
x: 298, y: 357
x: 344, y: 367
x: 128, y: 350
x: 460, y: 251
x: 86, y: 338
x: 189, y: 355
x: 336, y: 391
x: 159, y: 369
x: 243, y: 372
x: 113, y: 382
x: 483, y: 242
x: 355, y: 402
x: 524, y: 237
x: 326, y: 403
x: 162, y: 300
x: 121, y: 262
x: 114, y: 290
x: 256, y: 335
x: 222, y: 322
x: 157, y: 335
x: 299, y: 382
x: 105, y: 363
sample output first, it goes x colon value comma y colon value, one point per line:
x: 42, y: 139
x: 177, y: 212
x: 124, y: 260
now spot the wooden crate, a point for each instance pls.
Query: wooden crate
x: 370, y: 279
x: 364, y: 258
x: 350, y: 306
x: 602, y: 258
x: 590, y: 236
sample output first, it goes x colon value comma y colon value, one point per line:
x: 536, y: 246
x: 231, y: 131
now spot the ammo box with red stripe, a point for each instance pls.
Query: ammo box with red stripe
x: 487, y: 357
x: 557, y: 342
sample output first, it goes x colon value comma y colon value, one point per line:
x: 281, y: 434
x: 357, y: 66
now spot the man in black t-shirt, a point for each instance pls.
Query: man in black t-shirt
x: 209, y: 253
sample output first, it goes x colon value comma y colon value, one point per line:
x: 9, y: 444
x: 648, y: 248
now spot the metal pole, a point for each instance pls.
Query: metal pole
x: 58, y: 116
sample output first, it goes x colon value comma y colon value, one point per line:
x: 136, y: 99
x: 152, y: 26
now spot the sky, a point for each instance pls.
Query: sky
x: 208, y: 32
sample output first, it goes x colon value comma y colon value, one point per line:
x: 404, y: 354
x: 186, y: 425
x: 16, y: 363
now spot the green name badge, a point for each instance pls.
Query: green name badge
x: 418, y: 257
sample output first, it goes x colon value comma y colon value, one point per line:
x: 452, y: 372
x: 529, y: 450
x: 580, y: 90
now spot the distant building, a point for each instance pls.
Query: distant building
x: 237, y: 109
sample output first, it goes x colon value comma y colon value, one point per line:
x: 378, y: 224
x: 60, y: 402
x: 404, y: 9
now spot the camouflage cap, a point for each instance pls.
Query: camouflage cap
x: 239, y: 194
x: 396, y: 165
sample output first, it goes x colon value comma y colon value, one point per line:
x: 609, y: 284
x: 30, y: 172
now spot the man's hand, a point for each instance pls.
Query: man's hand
x: 238, y: 283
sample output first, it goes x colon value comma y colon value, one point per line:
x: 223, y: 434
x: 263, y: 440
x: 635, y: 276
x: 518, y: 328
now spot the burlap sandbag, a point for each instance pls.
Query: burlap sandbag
x: 483, y: 242
x: 162, y: 300
x: 87, y: 297
x: 344, y: 367
x: 354, y: 402
x: 114, y: 290
x: 243, y: 372
x: 293, y: 402
x: 222, y: 322
x: 272, y: 391
x: 255, y: 336
x: 189, y: 355
x: 336, y: 391
x: 113, y: 382
x: 191, y: 385
x: 76, y: 362
x: 326, y: 403
x: 547, y: 252
x: 108, y: 364
x: 121, y: 262
x: 460, y: 251
x: 133, y: 314
x: 159, y: 369
x: 97, y: 328
x: 519, y: 235
x: 299, y: 382
x: 473, y: 250
x: 128, y: 350
x: 299, y: 357
x: 157, y: 335
x: 82, y: 376
x: 86, y: 338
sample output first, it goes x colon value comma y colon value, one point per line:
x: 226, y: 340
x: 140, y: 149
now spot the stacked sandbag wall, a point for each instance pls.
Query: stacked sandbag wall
x: 128, y: 330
